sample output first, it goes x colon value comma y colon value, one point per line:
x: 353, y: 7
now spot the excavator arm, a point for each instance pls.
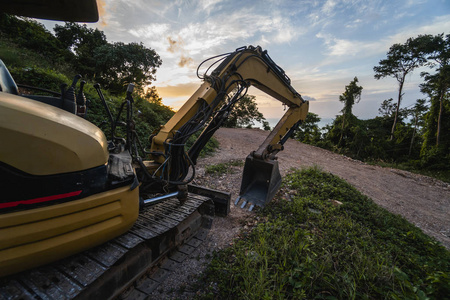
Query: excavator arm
x: 209, y: 107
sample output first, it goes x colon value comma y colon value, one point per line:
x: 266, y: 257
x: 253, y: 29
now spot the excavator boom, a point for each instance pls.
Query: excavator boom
x: 211, y: 104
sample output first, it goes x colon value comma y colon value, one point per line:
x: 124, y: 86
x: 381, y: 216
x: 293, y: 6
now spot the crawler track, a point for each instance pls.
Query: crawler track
x: 107, y: 270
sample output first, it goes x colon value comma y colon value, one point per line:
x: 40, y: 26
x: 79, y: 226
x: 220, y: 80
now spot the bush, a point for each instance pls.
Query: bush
x: 39, y: 77
x: 325, y: 240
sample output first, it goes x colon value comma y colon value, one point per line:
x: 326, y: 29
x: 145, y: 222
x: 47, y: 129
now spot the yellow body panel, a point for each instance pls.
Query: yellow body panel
x: 35, y: 237
x: 52, y: 140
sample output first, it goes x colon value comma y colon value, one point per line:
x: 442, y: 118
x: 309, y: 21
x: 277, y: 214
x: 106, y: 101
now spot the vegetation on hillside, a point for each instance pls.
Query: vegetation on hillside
x: 36, y: 57
x: 416, y: 137
x: 328, y: 241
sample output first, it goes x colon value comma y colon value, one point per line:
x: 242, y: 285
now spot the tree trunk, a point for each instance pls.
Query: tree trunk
x: 441, y: 108
x: 413, y: 135
x: 342, y: 131
x: 400, y: 89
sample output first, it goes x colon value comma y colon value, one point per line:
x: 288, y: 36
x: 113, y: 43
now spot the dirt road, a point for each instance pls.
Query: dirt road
x: 423, y: 201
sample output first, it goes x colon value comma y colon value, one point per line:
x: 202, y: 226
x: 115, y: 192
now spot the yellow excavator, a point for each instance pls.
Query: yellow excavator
x: 68, y: 188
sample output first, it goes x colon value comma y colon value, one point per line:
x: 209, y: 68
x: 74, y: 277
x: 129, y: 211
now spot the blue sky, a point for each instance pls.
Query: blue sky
x: 322, y: 45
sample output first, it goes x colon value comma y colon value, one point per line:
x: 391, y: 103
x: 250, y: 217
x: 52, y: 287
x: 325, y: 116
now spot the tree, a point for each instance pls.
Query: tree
x: 118, y: 64
x: 351, y: 95
x: 74, y: 36
x: 401, y: 60
x: 309, y: 132
x: 82, y: 42
x: 244, y: 113
x: 114, y: 65
x: 152, y: 96
x: 346, y: 134
x: 437, y: 85
x: 417, y: 113
x: 387, y: 108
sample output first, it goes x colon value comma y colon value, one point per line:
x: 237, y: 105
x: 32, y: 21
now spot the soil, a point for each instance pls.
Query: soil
x: 422, y: 200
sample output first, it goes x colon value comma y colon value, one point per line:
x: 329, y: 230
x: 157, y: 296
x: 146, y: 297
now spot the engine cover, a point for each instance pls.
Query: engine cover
x: 40, y: 139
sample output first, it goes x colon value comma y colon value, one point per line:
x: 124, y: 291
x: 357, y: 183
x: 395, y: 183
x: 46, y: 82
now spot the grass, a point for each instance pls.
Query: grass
x: 325, y: 240
x: 223, y: 168
x: 15, y: 56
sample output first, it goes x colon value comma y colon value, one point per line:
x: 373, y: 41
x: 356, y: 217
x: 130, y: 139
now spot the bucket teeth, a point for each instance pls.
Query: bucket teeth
x: 244, y: 204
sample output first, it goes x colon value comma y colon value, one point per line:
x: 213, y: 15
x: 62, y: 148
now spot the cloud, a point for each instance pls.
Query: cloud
x: 246, y: 25
x: 152, y: 30
x: 174, y: 46
x: 178, y: 47
x: 329, y: 7
x: 209, y: 5
x: 438, y: 25
x: 185, y: 61
x: 346, y: 48
x: 308, y: 98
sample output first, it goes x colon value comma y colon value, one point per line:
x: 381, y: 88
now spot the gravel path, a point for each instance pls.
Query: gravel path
x: 423, y: 201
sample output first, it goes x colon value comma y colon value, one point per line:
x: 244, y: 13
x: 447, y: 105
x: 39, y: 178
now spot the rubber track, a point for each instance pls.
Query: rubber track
x: 107, y: 270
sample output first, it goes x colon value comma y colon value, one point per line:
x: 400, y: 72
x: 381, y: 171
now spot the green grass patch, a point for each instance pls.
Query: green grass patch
x: 223, y: 168
x: 328, y: 241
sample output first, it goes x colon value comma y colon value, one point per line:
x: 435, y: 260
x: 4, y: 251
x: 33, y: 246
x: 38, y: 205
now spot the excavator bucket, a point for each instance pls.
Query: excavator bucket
x: 260, y: 182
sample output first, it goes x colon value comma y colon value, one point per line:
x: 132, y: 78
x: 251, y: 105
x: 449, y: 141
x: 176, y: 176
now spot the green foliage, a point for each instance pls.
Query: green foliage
x: 81, y: 50
x: 148, y: 116
x: 347, y: 134
x: 39, y: 77
x: 81, y: 42
x: 37, y: 58
x: 76, y: 37
x: 351, y: 95
x: 401, y: 60
x: 15, y: 56
x: 308, y: 132
x: 114, y: 65
x: 420, y: 136
x: 245, y: 113
x: 118, y: 64
x: 436, y: 147
x: 328, y: 241
x: 32, y: 35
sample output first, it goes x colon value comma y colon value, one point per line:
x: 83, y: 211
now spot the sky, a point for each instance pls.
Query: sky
x: 321, y: 45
